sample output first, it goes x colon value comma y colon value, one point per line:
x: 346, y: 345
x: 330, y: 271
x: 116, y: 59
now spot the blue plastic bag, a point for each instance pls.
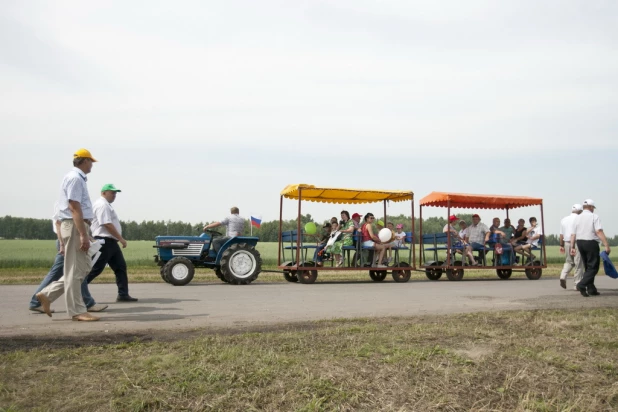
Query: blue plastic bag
x: 610, y: 270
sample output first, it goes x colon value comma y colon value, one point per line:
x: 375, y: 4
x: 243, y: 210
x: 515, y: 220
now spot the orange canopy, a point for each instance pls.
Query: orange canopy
x: 464, y: 200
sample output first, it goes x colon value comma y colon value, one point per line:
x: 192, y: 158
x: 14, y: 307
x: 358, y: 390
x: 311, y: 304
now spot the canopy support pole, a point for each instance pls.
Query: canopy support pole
x: 544, y: 237
x: 385, y: 220
x: 448, y: 233
x: 299, y: 233
x: 280, y: 227
x: 421, y: 253
x: 413, y: 263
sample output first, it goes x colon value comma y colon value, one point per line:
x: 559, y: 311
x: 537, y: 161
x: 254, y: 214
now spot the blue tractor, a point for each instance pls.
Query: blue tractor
x: 235, y: 260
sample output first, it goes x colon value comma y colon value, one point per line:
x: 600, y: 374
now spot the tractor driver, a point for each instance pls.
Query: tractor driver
x: 235, y: 227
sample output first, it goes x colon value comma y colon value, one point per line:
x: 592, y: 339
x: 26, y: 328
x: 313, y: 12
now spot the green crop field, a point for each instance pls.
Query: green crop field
x: 16, y: 254
x: 27, y: 261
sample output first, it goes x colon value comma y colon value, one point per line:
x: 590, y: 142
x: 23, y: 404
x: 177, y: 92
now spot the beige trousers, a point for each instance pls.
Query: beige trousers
x: 77, y: 265
x: 572, y: 262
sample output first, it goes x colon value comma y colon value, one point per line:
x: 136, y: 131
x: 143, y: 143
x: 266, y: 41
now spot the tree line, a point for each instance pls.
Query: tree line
x: 28, y: 228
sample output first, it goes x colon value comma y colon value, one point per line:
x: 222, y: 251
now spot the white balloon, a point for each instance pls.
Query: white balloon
x: 385, y: 235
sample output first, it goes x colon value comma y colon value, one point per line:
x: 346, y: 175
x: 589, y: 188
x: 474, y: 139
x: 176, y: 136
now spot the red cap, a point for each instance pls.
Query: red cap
x: 355, y: 215
x: 452, y: 218
x: 475, y: 215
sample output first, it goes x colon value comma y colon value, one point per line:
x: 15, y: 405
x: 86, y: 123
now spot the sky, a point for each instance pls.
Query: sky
x: 191, y: 107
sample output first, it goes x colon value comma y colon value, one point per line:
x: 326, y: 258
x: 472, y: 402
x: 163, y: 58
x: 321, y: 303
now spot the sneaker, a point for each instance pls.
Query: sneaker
x: 125, y: 299
x: 39, y: 309
x: 563, y: 283
x: 381, y: 266
x: 97, y: 308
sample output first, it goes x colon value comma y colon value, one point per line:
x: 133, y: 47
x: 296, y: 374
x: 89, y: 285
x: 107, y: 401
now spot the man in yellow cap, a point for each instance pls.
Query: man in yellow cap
x: 75, y: 215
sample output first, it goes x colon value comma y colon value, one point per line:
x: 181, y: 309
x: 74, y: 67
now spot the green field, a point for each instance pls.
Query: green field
x: 27, y: 261
x: 15, y: 254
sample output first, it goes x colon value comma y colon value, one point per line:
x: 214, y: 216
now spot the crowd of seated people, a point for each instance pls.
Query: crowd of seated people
x: 338, y: 233
x: 478, y: 237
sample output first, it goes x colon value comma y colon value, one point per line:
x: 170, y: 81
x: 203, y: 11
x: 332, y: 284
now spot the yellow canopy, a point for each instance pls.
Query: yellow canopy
x: 346, y: 196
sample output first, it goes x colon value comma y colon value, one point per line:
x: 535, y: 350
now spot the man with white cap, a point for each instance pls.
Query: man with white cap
x: 76, y: 216
x: 566, y: 224
x: 587, y: 231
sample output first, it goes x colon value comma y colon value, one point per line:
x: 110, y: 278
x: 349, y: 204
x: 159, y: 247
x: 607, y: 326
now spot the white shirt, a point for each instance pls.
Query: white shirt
x: 55, y: 217
x: 566, y: 226
x: 533, y: 231
x: 74, y: 188
x: 235, y: 225
x: 586, y: 226
x: 463, y: 233
x: 399, y: 238
x: 447, y: 227
x: 104, y: 213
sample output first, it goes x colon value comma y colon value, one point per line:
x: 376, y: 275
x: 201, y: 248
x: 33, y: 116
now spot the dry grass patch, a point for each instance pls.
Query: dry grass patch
x: 528, y: 360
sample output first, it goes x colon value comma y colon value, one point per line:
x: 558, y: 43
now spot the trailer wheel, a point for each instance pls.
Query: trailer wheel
x: 434, y: 273
x: 534, y: 274
x: 162, y: 271
x: 504, y: 273
x: 290, y: 276
x: 454, y: 274
x: 307, y: 276
x: 400, y: 275
x: 241, y: 264
x: 377, y: 275
x: 179, y: 271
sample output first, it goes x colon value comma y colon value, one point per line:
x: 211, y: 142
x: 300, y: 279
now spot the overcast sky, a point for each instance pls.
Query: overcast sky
x: 195, y: 106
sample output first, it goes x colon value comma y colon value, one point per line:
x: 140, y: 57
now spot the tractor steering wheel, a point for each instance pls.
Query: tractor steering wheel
x: 213, y: 233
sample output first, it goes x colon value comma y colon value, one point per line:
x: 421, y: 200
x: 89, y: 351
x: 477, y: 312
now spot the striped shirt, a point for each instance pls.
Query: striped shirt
x: 74, y: 188
x: 476, y: 234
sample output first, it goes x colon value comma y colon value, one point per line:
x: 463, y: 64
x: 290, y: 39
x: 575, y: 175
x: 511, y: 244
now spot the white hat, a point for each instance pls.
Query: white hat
x: 589, y: 202
x: 577, y: 207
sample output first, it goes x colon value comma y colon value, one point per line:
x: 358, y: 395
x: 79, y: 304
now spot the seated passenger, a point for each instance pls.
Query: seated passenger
x: 347, y: 229
x: 356, y: 218
x: 476, y: 234
x: 450, y: 228
x: 467, y: 249
x: 494, y: 230
x: 508, y: 231
x: 318, y: 257
x: 369, y: 238
x: 400, y: 236
x: 519, y: 234
x: 533, y: 234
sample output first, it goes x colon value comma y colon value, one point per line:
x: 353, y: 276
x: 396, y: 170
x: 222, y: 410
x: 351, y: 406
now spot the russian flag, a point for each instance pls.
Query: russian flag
x: 256, y: 221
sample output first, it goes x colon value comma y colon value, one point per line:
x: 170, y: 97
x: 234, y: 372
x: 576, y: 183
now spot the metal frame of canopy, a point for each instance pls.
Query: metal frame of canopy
x: 305, y: 192
x: 478, y: 201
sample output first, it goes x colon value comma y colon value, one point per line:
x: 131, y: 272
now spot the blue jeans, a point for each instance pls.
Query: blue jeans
x: 88, y: 299
x: 55, y: 273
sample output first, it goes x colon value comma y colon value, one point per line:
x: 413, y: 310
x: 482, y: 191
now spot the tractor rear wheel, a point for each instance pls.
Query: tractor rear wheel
x: 241, y: 264
x: 162, y: 271
x: 220, y: 275
x: 179, y: 271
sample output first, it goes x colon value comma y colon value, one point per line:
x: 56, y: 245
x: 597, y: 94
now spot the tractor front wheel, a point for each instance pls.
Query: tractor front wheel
x: 241, y: 264
x: 179, y: 271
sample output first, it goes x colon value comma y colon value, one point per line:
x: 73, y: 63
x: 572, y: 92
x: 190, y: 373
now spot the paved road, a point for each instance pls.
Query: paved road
x: 164, y: 307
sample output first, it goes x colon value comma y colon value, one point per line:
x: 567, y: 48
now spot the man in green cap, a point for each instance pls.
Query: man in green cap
x: 106, y: 226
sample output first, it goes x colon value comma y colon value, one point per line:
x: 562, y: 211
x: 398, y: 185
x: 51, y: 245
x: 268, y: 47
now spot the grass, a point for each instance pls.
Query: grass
x: 521, y: 361
x: 27, y: 261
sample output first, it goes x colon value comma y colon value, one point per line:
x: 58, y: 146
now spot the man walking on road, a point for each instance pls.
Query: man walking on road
x: 587, y: 231
x: 106, y: 226
x: 566, y: 225
x: 75, y: 215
